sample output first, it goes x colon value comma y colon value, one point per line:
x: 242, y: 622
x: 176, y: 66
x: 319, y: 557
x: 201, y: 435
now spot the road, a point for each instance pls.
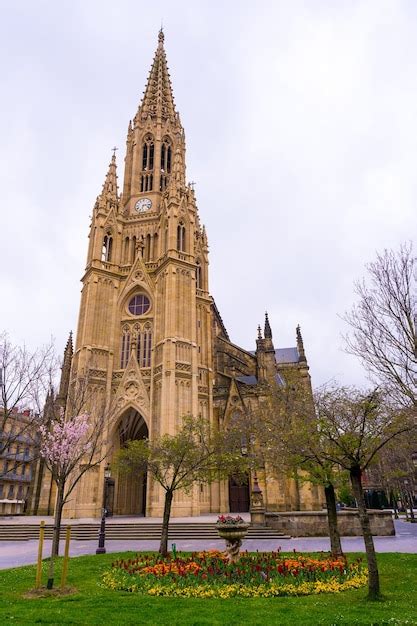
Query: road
x: 15, y: 553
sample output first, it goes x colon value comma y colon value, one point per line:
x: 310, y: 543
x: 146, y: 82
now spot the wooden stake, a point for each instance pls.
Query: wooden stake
x: 66, y: 557
x: 40, y: 550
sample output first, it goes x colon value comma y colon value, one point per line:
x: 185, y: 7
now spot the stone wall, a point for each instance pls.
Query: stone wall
x: 12, y: 507
x: 314, y: 523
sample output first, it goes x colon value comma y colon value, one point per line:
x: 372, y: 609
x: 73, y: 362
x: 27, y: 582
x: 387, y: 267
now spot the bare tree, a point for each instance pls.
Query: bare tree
x: 288, y: 437
x: 355, y: 427
x: 395, y: 474
x: 384, y: 321
x: 25, y: 377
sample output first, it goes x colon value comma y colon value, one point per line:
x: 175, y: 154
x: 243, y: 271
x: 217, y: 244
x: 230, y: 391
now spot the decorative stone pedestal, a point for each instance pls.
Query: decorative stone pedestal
x: 233, y: 535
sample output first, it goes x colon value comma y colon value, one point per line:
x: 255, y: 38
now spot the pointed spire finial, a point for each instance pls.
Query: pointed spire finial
x: 300, y: 345
x: 259, y: 332
x: 65, y: 372
x: 69, y: 348
x: 109, y: 196
x: 267, y: 328
x: 158, y: 100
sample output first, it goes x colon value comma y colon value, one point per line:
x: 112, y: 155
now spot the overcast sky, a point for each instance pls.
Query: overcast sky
x: 301, y: 127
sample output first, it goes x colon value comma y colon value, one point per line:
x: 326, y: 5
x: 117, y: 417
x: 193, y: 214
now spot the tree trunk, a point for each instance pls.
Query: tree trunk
x: 55, y: 537
x: 403, y: 501
x: 373, y: 574
x: 335, y: 544
x: 410, y: 502
x: 163, y: 547
x: 393, y: 502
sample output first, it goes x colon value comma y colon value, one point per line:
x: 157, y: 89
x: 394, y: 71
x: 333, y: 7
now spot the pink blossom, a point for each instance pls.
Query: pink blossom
x: 65, y: 443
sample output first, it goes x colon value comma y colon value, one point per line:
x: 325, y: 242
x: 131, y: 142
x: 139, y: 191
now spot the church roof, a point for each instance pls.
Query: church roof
x: 252, y: 380
x: 286, y: 355
x: 248, y: 380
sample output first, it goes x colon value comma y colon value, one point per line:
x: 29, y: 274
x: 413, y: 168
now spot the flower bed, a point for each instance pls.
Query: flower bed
x: 229, y: 520
x: 209, y: 575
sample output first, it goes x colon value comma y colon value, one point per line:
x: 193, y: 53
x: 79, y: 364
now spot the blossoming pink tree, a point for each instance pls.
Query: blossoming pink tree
x: 70, y: 447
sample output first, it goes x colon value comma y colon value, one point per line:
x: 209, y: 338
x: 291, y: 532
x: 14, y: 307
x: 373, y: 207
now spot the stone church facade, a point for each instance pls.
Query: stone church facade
x: 150, y: 334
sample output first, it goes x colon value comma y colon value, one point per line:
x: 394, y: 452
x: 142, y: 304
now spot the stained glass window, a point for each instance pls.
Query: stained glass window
x: 139, y: 305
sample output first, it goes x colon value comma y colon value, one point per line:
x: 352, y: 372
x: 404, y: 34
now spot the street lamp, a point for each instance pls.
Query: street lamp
x: 102, y: 535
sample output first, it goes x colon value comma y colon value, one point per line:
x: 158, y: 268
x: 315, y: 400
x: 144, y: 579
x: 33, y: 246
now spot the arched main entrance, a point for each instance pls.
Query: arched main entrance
x: 131, y: 490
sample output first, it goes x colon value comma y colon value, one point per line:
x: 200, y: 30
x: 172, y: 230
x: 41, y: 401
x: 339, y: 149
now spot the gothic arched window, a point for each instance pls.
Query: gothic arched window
x: 125, y: 349
x: 144, y: 346
x: 148, y: 251
x: 126, y: 250
x: 198, y: 276
x: 106, y: 249
x: 145, y: 156
x: 148, y: 153
x: 181, y: 237
x: 166, y: 151
x: 133, y: 251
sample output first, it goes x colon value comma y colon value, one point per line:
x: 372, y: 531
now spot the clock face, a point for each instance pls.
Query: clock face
x: 142, y: 205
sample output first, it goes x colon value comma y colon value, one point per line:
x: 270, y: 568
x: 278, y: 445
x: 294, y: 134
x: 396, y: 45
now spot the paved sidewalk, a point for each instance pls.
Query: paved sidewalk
x: 119, y: 519
x: 15, y: 553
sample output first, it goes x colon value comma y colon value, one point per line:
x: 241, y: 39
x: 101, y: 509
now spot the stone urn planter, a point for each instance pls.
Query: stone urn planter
x: 232, y: 530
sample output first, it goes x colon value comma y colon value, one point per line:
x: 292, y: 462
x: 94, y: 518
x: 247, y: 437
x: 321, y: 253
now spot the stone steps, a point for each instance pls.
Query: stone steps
x: 132, y: 531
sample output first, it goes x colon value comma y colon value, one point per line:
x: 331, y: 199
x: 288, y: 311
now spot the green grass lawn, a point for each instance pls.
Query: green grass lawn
x: 92, y: 604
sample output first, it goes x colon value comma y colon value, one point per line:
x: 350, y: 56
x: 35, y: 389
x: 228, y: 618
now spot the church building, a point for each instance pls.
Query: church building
x: 149, y: 332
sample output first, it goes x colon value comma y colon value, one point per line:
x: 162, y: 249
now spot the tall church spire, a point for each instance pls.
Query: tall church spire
x: 152, y: 143
x: 300, y: 345
x: 158, y: 100
x: 109, y: 197
x: 65, y: 373
x: 267, y: 329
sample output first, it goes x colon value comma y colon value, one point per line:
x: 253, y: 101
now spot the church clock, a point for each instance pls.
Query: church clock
x: 142, y: 205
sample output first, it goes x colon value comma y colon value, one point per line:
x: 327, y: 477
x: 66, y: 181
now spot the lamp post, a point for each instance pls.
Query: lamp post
x: 102, y: 535
x: 257, y: 507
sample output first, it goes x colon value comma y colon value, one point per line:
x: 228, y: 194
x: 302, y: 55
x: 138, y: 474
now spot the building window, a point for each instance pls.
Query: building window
x: 166, y: 159
x: 166, y: 152
x: 148, y: 153
x: 1, y: 491
x: 125, y: 352
x: 155, y: 246
x: 11, y: 493
x: 126, y: 250
x: 144, y: 347
x: 146, y: 182
x: 139, y: 304
x: 107, y: 248
x: 20, y: 492
x: 181, y: 237
x: 198, y: 281
x: 148, y: 251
